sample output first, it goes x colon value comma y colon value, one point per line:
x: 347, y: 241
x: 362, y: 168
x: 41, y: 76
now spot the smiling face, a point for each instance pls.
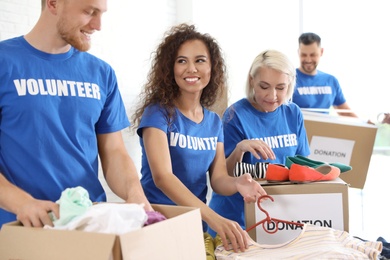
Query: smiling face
x: 309, y: 56
x: 270, y: 89
x: 192, y: 67
x: 78, y: 19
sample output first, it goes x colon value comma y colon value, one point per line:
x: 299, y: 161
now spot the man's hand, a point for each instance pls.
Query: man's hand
x: 35, y: 213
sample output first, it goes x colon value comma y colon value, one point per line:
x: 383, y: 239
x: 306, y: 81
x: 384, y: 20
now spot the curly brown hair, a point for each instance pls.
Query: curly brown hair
x: 161, y: 87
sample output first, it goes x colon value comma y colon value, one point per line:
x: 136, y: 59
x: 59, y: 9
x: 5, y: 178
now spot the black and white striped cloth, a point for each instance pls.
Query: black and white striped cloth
x: 257, y: 171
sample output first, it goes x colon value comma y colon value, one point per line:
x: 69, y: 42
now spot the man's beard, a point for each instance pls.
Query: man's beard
x: 68, y: 35
x: 309, y: 69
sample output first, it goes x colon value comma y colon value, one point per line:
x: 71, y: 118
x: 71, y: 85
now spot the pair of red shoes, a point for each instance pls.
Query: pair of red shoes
x: 301, y: 173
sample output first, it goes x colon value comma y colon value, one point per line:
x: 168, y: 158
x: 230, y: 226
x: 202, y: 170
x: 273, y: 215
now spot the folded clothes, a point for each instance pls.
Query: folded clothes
x: 314, y: 242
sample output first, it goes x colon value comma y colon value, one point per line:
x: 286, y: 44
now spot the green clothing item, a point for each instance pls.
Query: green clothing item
x: 73, y: 202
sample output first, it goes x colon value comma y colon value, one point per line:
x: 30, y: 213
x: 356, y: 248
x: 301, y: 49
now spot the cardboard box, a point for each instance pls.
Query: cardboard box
x: 319, y: 203
x: 345, y: 140
x: 178, y: 237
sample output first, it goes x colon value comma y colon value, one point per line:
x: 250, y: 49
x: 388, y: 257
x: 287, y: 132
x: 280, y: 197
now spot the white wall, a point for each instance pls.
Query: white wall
x: 356, y: 48
x: 17, y: 17
x: 354, y: 35
x: 131, y: 30
x: 245, y: 28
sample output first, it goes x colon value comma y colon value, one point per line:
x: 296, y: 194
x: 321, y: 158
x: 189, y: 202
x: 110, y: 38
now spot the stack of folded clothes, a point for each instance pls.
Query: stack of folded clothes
x: 314, y: 242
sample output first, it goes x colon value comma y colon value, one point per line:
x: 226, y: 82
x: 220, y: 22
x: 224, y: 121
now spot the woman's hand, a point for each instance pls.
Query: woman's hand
x: 249, y: 189
x: 258, y: 148
x: 232, y: 235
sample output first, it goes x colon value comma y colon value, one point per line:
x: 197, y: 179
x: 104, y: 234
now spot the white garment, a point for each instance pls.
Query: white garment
x: 314, y: 242
x: 114, y: 218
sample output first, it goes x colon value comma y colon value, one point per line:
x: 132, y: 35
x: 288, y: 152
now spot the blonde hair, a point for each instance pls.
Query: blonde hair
x: 275, y: 60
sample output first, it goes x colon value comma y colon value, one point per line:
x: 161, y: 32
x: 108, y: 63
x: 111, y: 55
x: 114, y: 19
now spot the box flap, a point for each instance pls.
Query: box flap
x: 18, y: 242
x: 344, y: 120
x: 170, y: 211
x: 184, y: 224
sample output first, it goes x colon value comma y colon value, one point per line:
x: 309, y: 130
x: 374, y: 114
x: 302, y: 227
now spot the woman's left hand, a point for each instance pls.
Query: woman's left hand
x: 249, y: 189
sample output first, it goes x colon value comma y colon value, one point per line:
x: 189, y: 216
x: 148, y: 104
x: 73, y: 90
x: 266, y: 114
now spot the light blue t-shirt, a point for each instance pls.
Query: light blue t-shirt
x: 283, y: 130
x: 52, y: 106
x: 317, y: 91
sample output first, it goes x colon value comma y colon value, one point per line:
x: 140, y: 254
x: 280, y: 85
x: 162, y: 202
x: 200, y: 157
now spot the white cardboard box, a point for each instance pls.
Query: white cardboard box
x: 178, y: 237
x: 341, y: 139
x: 318, y: 203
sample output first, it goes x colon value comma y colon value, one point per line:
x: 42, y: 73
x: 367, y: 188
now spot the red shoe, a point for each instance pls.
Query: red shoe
x: 277, y: 173
x: 303, y: 173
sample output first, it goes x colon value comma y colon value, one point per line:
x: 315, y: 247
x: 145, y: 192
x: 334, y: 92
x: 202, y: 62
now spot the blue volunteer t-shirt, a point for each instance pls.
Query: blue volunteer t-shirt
x: 317, y: 91
x: 52, y: 106
x: 283, y: 130
x: 192, y: 148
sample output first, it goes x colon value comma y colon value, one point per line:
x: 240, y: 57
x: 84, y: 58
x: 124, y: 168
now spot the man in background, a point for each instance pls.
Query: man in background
x: 315, y: 89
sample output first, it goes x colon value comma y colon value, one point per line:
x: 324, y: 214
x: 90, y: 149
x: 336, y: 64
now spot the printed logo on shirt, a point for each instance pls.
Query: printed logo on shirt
x: 55, y: 87
x: 193, y: 142
x: 325, y: 90
x: 280, y: 141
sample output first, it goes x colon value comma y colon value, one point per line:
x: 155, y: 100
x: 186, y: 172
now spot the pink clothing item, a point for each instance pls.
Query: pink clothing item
x: 154, y: 217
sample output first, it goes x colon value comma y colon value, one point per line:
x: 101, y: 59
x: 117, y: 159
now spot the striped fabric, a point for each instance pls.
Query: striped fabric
x: 257, y: 171
x: 314, y: 242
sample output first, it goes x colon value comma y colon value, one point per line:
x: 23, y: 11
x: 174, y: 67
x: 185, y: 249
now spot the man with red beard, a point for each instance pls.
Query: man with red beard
x: 315, y: 89
x: 61, y: 110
